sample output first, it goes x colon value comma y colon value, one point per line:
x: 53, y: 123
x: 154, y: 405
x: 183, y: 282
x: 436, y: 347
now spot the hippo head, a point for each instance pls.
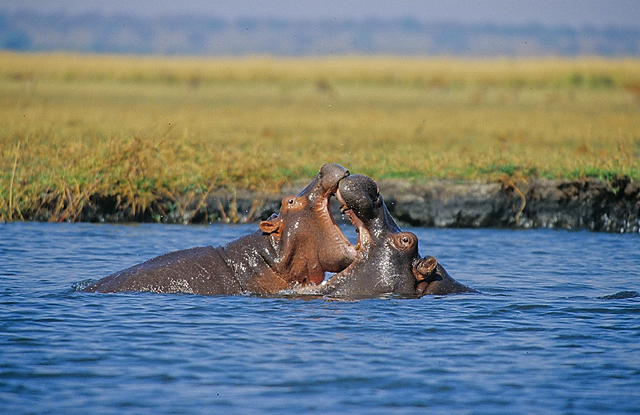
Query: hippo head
x: 306, y: 233
x: 387, y: 259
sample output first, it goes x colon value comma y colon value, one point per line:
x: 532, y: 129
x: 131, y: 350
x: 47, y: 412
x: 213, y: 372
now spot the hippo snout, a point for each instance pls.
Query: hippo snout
x: 331, y: 174
x: 360, y: 194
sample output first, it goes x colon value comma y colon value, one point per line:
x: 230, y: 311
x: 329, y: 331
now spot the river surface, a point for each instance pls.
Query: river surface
x: 556, y: 330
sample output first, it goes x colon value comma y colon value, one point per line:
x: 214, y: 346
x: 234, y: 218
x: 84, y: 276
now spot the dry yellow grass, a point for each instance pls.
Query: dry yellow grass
x: 139, y: 127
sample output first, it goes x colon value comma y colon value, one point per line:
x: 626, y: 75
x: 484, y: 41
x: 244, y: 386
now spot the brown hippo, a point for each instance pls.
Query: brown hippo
x: 387, y: 259
x: 295, y: 247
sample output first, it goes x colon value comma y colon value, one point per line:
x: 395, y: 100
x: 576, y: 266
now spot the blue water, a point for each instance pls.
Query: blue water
x: 556, y: 331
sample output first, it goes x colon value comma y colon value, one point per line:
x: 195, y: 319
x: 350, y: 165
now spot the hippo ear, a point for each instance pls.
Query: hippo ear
x: 424, y: 268
x: 272, y: 225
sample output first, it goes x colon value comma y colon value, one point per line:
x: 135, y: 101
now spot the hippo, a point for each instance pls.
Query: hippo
x: 387, y: 259
x: 296, y: 246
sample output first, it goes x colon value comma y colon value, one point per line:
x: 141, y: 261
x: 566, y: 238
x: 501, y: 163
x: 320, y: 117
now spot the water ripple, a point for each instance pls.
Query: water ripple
x: 547, y: 334
x: 622, y: 295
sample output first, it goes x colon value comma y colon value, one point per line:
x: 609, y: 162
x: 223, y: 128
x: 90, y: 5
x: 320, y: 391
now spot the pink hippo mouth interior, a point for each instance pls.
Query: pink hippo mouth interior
x: 353, y: 218
x: 344, y: 241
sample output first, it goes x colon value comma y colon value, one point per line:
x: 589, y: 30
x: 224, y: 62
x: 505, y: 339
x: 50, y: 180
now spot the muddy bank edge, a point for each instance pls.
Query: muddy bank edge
x: 612, y: 206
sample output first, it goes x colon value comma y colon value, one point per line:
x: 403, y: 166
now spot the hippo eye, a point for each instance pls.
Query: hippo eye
x: 405, y: 241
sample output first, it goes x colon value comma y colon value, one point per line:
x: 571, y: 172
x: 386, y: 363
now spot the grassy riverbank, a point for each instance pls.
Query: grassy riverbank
x: 140, y: 128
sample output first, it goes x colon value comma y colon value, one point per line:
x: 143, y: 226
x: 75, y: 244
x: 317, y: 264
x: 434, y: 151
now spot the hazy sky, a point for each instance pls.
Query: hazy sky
x: 552, y: 12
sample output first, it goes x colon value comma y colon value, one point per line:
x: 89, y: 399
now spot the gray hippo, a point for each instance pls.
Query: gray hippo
x: 387, y: 259
x: 295, y: 247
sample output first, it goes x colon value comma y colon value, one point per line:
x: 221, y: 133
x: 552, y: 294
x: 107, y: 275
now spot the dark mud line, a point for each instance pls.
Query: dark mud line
x: 532, y: 203
x: 604, y: 206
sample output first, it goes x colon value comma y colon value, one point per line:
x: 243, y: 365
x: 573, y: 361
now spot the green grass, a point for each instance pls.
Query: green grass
x: 143, y: 128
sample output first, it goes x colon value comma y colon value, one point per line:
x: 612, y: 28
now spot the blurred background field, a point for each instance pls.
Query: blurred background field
x: 74, y: 126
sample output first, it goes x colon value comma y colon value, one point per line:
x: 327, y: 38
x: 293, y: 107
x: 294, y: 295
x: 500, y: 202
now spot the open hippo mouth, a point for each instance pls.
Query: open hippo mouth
x: 330, y: 183
x: 353, y: 218
x: 307, y: 233
x: 351, y: 249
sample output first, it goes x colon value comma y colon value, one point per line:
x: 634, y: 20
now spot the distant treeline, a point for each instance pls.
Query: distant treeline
x: 198, y: 35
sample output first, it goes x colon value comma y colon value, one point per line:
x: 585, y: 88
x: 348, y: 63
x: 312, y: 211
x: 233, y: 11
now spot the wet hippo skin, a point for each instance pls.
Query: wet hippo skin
x: 297, y: 246
x: 387, y: 259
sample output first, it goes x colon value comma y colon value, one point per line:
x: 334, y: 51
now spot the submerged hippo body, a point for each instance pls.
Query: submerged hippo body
x: 295, y: 247
x: 387, y: 259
